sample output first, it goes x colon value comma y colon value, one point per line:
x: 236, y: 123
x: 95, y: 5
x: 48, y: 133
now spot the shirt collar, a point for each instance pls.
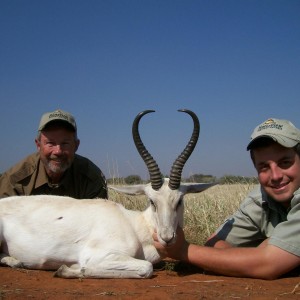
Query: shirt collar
x: 272, y: 204
x: 42, y: 177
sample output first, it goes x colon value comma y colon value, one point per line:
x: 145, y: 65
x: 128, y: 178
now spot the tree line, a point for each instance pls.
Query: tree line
x: 226, y: 179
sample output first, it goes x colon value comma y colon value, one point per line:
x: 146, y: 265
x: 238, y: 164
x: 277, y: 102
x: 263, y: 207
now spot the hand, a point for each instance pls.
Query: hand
x: 177, y: 251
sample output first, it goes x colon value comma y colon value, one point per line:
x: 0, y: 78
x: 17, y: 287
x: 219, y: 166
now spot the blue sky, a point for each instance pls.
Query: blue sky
x: 235, y: 63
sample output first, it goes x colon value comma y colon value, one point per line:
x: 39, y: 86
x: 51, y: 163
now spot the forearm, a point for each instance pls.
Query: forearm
x: 219, y: 260
x: 265, y: 262
x: 239, y: 262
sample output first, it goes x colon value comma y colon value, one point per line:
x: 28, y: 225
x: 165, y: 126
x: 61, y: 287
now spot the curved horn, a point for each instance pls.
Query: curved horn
x: 154, y: 172
x: 176, y: 170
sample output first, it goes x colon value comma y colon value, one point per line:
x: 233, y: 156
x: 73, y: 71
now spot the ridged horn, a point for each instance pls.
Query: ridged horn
x: 176, y: 170
x: 154, y: 172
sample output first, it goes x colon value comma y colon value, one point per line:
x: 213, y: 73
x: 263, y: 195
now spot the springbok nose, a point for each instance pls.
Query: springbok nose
x: 168, y: 236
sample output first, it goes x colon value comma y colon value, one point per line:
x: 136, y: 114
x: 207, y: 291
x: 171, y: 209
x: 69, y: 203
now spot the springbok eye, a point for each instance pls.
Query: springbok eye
x: 152, y: 204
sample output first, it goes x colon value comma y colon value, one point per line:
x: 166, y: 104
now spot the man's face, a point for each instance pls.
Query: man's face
x: 57, y: 147
x: 278, y: 171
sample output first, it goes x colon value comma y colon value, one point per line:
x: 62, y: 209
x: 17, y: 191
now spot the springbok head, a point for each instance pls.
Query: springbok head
x: 165, y: 194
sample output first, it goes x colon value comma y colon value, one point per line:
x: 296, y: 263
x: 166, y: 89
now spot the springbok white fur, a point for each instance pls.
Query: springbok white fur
x: 90, y: 238
x: 98, y: 238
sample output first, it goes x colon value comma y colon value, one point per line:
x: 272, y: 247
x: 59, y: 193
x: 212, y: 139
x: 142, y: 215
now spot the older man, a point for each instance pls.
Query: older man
x: 55, y: 168
x: 262, y: 239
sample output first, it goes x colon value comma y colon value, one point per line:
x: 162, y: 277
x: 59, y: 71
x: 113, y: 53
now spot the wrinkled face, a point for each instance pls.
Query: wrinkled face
x: 278, y: 171
x: 57, y: 147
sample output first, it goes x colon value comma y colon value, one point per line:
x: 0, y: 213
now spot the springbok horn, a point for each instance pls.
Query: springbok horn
x: 154, y: 172
x: 176, y: 170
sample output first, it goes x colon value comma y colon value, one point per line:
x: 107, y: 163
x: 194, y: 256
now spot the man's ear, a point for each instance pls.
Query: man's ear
x: 37, y: 143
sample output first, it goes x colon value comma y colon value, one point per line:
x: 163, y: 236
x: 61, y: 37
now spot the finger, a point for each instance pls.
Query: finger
x: 154, y: 236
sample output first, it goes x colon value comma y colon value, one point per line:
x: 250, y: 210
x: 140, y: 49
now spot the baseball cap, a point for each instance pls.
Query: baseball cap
x: 57, y: 115
x: 281, y: 131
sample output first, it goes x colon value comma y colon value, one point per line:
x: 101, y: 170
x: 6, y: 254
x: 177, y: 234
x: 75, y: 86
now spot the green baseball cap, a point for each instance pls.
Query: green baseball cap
x: 57, y: 115
x: 281, y: 131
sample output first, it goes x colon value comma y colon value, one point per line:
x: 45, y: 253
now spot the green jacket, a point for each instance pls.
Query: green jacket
x: 83, y: 180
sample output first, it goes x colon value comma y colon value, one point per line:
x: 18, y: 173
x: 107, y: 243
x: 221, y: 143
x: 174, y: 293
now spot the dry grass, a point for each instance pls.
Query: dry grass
x: 204, y: 212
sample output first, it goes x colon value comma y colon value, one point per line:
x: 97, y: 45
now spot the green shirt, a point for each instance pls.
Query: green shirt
x: 83, y: 180
x: 259, y: 217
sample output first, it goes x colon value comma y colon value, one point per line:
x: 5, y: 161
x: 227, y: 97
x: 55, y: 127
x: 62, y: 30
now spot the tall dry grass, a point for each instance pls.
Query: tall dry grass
x: 206, y: 211
x: 203, y: 212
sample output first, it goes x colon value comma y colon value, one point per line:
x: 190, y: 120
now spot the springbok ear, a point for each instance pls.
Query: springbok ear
x: 188, y: 188
x: 138, y: 189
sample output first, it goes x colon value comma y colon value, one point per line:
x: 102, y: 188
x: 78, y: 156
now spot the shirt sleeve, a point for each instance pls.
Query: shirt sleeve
x: 89, y: 179
x: 98, y: 188
x: 19, y: 179
x: 286, y: 235
x: 243, y: 228
x: 6, y: 188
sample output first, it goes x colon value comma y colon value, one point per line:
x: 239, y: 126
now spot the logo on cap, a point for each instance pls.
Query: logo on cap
x: 58, y: 114
x: 270, y: 123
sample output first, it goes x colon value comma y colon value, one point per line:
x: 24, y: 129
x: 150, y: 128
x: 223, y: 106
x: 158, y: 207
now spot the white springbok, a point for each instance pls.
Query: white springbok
x: 97, y: 238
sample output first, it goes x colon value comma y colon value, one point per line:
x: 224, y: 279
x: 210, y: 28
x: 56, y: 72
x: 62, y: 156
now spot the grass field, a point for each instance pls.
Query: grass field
x: 203, y: 213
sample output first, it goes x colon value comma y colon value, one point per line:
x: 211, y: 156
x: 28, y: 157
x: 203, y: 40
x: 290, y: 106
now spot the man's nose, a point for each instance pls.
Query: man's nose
x: 57, y: 149
x: 276, y: 172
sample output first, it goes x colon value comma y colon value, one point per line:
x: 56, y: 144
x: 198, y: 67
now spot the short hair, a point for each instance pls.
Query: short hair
x: 297, y: 148
x: 265, y: 142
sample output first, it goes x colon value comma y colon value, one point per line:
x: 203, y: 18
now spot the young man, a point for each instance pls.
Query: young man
x: 262, y: 239
x: 55, y: 168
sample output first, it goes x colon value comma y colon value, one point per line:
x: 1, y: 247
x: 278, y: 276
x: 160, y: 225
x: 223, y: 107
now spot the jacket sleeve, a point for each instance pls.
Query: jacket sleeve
x: 6, y: 187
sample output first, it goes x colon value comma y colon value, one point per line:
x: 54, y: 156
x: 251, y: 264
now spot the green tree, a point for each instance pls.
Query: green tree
x: 133, y: 179
x: 201, y: 178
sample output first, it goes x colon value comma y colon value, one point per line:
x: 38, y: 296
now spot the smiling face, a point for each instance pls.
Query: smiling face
x: 57, y: 146
x: 278, y: 171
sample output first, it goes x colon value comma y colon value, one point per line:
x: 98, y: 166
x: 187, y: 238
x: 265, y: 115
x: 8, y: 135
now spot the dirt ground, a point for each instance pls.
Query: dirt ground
x: 188, y: 283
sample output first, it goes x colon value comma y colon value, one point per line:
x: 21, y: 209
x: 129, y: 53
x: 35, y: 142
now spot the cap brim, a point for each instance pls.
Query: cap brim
x: 62, y: 123
x: 283, y: 141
